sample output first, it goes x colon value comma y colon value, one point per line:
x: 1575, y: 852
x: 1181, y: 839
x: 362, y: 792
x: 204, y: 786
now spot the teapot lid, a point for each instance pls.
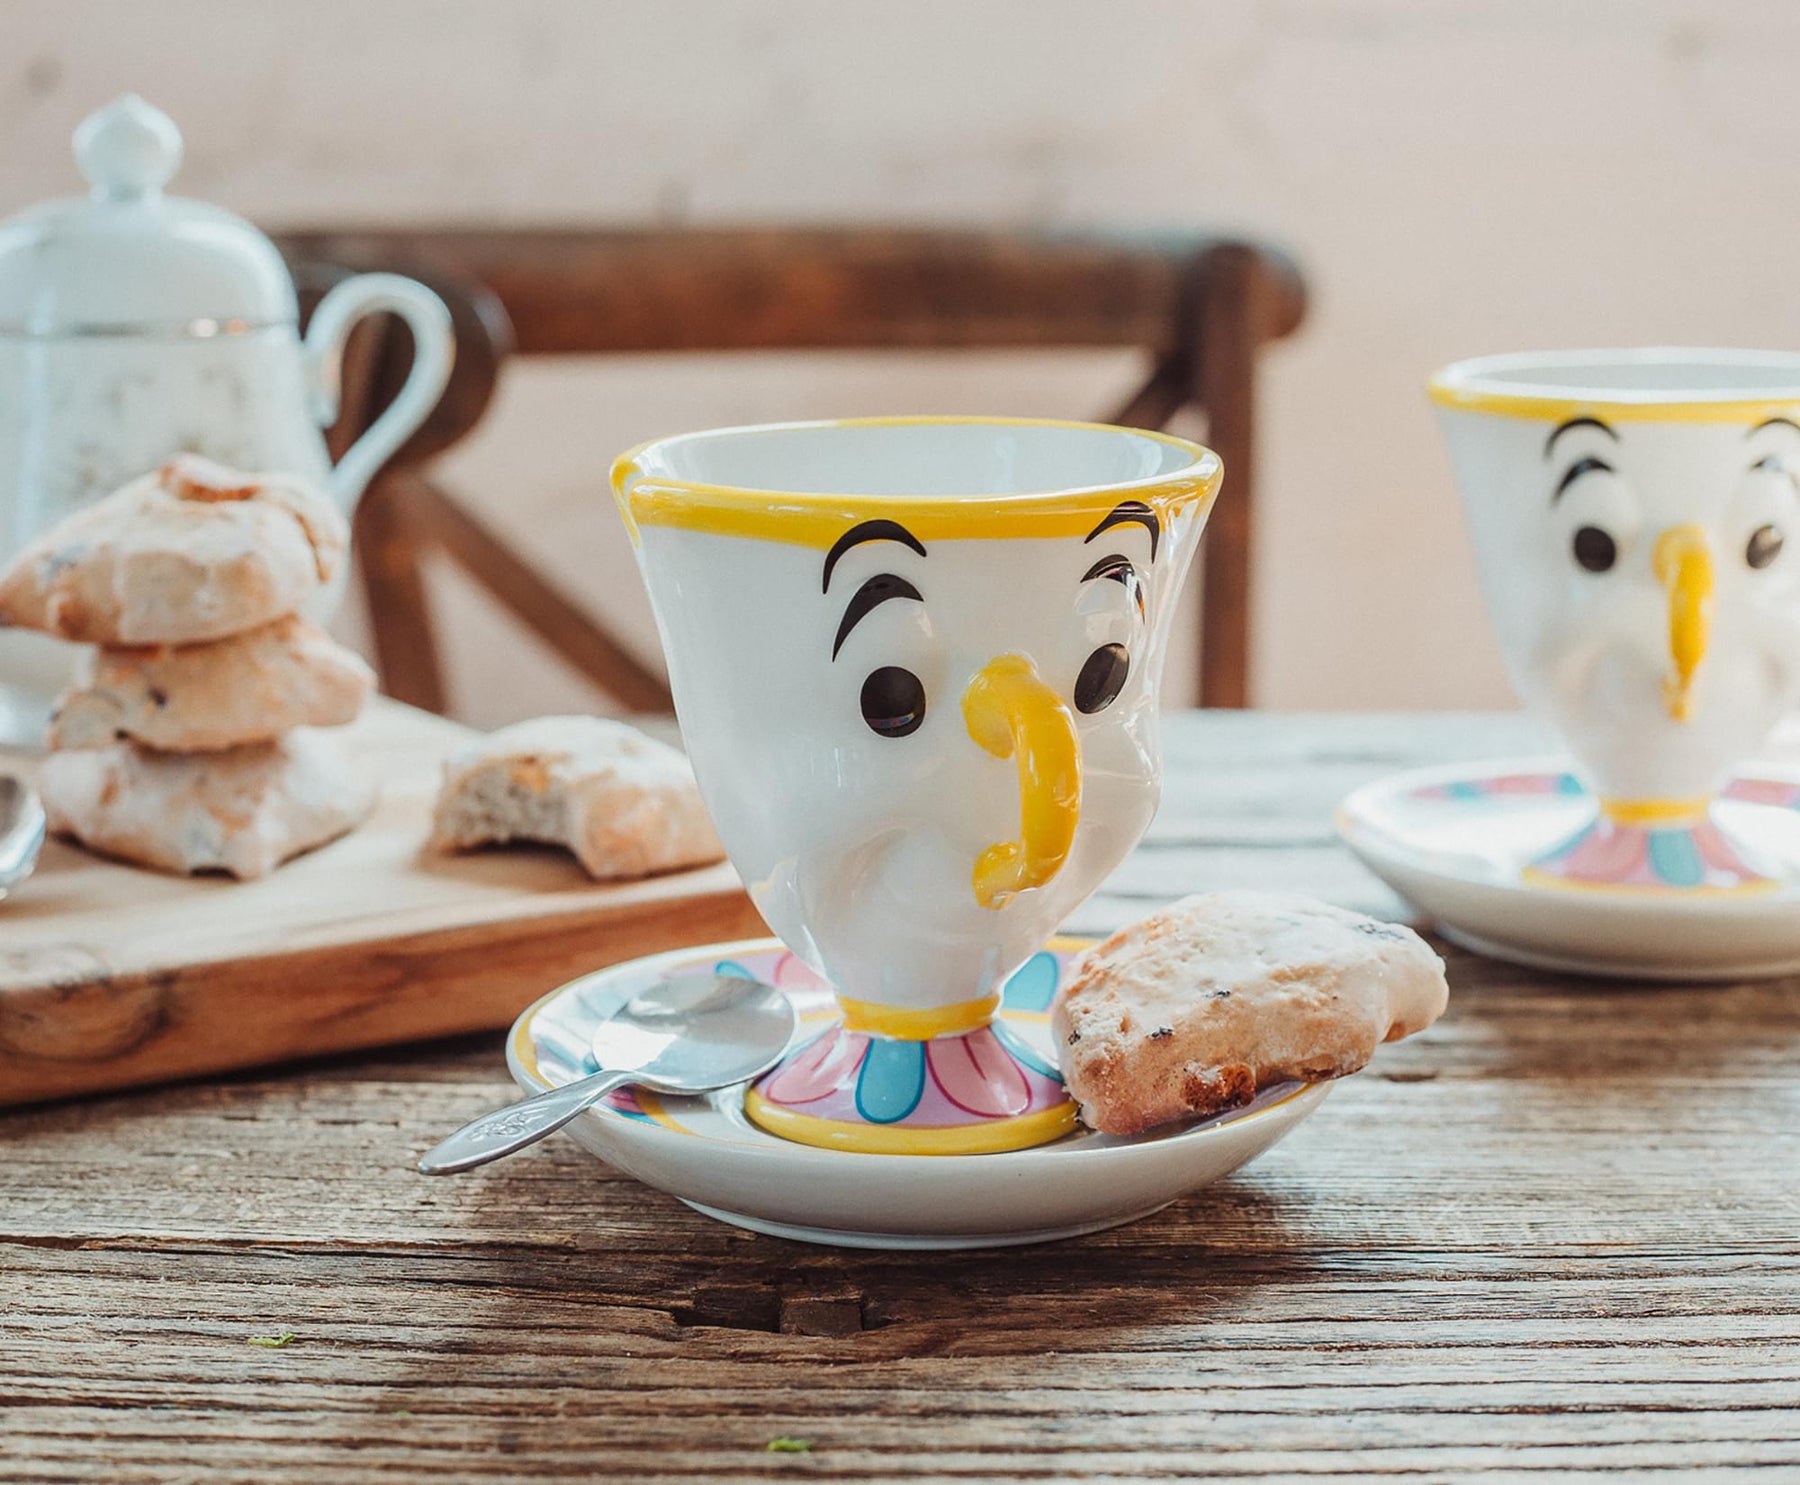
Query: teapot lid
x: 125, y: 258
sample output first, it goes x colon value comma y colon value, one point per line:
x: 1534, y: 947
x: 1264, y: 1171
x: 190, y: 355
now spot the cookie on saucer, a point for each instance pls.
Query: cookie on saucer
x: 1195, y: 1008
x: 249, y: 688
x: 191, y: 553
x: 243, y: 811
x: 624, y: 804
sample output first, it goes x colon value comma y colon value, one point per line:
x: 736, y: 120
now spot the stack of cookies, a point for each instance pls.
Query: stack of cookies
x: 188, y: 743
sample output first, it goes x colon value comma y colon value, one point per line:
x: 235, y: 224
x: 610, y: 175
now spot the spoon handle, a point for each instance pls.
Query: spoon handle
x: 505, y: 1131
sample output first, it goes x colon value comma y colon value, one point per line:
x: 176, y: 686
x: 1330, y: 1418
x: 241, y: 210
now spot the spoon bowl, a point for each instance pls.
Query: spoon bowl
x: 21, y: 831
x: 684, y: 1035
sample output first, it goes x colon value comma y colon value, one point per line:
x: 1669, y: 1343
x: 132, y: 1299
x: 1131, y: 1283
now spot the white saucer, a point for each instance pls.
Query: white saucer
x: 1456, y: 842
x: 704, y: 1151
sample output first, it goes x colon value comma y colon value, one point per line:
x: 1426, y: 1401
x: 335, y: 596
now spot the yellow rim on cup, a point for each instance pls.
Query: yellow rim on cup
x: 1654, y: 384
x: 817, y: 519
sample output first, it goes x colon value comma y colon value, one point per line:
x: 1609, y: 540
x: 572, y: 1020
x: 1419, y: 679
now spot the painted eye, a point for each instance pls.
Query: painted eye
x: 1764, y: 547
x: 1594, y: 549
x: 893, y: 701
x: 1102, y: 678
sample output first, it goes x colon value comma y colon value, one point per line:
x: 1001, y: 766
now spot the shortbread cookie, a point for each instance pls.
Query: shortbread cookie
x: 625, y: 804
x: 244, y: 811
x: 199, y: 698
x: 1195, y: 1008
x: 193, y: 552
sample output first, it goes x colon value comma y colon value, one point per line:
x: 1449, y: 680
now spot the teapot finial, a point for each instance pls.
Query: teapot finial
x: 127, y: 149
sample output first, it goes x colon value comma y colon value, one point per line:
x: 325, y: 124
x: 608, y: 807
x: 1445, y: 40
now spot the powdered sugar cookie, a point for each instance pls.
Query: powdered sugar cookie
x: 193, y: 552
x: 244, y: 811
x: 625, y: 804
x: 1195, y: 1008
x: 249, y: 688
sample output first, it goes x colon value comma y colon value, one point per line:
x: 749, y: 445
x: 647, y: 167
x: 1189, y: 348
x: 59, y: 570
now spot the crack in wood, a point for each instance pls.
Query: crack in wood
x: 772, y: 1309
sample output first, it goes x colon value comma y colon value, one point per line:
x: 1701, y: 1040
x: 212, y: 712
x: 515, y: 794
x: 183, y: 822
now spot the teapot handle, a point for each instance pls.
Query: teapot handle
x: 434, y: 350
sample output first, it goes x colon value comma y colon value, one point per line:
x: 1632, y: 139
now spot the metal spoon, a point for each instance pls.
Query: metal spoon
x: 686, y: 1035
x: 21, y: 831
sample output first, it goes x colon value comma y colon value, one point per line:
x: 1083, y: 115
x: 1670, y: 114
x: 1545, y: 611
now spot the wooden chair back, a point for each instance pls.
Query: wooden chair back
x: 1201, y: 308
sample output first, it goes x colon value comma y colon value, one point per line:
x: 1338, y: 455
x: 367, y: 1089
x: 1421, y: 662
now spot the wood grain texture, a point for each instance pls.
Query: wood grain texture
x: 112, y: 976
x: 1556, y: 1237
x: 599, y: 292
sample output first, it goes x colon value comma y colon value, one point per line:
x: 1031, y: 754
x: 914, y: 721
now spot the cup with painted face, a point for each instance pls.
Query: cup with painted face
x: 1637, y: 535
x: 916, y: 665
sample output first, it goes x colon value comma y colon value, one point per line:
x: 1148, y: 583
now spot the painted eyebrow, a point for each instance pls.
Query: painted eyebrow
x: 1117, y: 567
x: 869, y: 531
x: 1562, y: 428
x: 1773, y: 423
x: 1589, y: 465
x: 1125, y: 513
x: 869, y: 597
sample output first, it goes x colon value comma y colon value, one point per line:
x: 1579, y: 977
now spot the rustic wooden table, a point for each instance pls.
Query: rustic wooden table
x: 1559, y: 1234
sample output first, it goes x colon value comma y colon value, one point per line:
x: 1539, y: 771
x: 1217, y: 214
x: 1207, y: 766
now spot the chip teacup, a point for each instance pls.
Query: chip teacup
x: 916, y: 665
x: 1634, y: 515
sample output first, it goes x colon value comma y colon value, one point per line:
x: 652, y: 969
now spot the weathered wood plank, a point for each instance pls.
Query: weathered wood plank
x: 1555, y: 1237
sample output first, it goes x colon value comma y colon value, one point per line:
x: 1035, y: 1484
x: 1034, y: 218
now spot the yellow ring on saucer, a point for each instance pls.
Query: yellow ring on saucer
x: 987, y: 1137
x: 1536, y: 876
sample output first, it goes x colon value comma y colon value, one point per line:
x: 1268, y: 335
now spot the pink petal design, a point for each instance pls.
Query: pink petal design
x: 1612, y: 854
x: 1720, y: 855
x: 1763, y: 791
x: 977, y: 1075
x: 819, y: 1069
x: 1523, y: 783
x: 794, y: 973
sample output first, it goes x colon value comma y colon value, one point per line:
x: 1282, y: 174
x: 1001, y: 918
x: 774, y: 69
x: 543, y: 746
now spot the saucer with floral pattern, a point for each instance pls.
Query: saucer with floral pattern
x: 707, y: 1153
x: 1518, y: 860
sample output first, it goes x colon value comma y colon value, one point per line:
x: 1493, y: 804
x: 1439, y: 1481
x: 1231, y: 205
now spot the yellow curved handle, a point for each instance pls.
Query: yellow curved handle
x: 626, y: 472
x: 1010, y: 711
x: 1682, y: 562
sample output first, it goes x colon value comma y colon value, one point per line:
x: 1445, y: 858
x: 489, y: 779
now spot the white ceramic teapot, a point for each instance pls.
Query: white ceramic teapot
x: 134, y: 325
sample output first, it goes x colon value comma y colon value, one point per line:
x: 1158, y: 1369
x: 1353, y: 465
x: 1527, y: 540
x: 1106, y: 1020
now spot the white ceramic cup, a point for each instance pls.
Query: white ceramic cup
x: 1637, y: 533
x: 915, y: 663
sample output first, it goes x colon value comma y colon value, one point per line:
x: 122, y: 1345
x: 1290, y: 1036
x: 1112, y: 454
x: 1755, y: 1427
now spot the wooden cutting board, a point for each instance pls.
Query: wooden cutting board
x: 112, y: 976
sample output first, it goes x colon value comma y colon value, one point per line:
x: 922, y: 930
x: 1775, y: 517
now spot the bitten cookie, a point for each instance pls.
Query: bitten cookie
x: 1195, y: 1008
x: 199, y: 698
x: 243, y: 812
x: 625, y: 804
x: 193, y: 552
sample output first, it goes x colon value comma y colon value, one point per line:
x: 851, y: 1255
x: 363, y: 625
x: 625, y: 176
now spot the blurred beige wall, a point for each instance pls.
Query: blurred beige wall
x: 1455, y: 178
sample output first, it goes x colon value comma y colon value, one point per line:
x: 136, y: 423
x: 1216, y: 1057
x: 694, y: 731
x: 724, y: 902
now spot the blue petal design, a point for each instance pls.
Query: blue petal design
x: 1465, y: 789
x: 891, y: 1081
x: 1022, y: 1051
x: 1033, y: 983
x: 1676, y: 859
x: 1569, y: 784
x: 733, y: 968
